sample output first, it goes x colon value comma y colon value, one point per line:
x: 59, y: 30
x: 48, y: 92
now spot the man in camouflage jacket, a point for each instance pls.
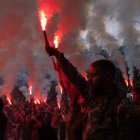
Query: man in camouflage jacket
x: 101, y: 94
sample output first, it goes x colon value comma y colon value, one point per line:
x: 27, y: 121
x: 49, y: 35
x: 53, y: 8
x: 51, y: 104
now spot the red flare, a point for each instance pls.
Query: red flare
x: 85, y: 77
x: 44, y: 100
x: 43, y: 20
x: 56, y: 41
x: 58, y: 104
x: 9, y: 101
x: 30, y: 89
x: 126, y: 82
x: 131, y: 83
x: 60, y: 87
x: 35, y: 102
x: 38, y: 101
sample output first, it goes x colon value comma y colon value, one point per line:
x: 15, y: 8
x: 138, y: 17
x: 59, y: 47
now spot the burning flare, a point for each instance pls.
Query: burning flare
x: 44, y: 100
x: 61, y: 90
x: 58, y: 104
x: 126, y: 82
x: 43, y: 20
x: 30, y: 89
x: 38, y: 101
x: 131, y: 83
x: 9, y: 101
x: 56, y: 41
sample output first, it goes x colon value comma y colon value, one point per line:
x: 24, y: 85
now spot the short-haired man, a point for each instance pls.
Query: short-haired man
x: 102, y: 95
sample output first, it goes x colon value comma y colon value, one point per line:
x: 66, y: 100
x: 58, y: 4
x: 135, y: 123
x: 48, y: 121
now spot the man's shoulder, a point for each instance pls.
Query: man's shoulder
x: 126, y: 106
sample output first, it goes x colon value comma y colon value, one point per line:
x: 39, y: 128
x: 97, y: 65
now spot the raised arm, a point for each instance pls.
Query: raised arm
x: 19, y: 115
x: 67, y: 86
x: 35, y: 110
x: 71, y: 72
x: 48, y: 106
x: 46, y: 109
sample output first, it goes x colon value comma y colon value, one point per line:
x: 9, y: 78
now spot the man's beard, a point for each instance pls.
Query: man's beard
x: 94, y: 89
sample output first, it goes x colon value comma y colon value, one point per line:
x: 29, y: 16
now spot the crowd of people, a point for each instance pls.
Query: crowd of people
x: 97, y: 110
x: 30, y: 121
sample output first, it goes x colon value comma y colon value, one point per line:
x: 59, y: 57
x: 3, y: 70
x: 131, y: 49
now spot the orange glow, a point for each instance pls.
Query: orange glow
x: 56, y: 41
x: 85, y: 77
x: 44, y: 100
x: 38, y: 101
x: 126, y: 82
x: 9, y: 101
x: 43, y: 20
x: 58, y: 104
x: 61, y: 90
x: 131, y: 83
x: 30, y: 89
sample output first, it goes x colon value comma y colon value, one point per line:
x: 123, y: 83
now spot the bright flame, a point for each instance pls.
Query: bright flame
x: 61, y: 90
x: 58, y: 104
x: 56, y: 41
x: 131, y: 83
x: 9, y: 101
x: 126, y: 82
x: 35, y: 102
x: 44, y: 100
x: 38, y: 101
x: 30, y: 89
x: 43, y: 20
x: 85, y: 77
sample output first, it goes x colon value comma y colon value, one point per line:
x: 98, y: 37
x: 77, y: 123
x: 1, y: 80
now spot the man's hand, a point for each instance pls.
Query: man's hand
x: 51, y: 50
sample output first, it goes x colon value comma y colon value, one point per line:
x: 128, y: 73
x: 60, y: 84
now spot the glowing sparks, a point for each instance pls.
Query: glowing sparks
x: 43, y: 20
x: 131, y: 83
x: 126, y: 82
x: 9, y: 101
x: 30, y: 89
x: 56, y: 41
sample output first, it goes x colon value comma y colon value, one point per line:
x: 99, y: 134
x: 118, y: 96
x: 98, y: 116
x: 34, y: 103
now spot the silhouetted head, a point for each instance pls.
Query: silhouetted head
x: 101, y: 76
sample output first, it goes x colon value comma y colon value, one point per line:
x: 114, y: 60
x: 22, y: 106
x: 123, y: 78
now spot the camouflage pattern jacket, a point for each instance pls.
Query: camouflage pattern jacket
x: 98, y: 124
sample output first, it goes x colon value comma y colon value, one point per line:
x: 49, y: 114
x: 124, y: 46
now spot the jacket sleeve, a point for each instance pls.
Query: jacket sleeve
x: 73, y: 75
x: 128, y: 121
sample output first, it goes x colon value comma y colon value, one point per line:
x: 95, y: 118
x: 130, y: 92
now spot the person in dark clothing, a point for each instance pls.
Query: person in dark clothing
x: 3, y: 120
x: 100, y: 92
x: 45, y: 131
x: 76, y: 110
x: 63, y: 126
x: 24, y: 121
x: 27, y: 132
x: 18, y: 123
